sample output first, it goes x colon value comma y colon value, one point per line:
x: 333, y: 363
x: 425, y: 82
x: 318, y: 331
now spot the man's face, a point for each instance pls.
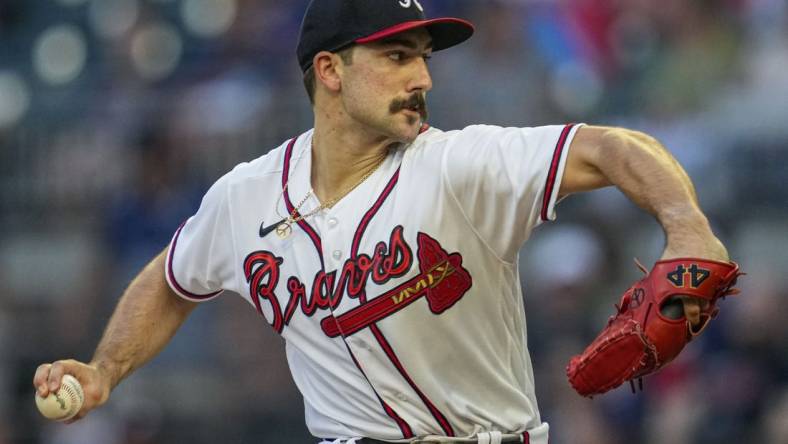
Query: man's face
x: 385, y: 86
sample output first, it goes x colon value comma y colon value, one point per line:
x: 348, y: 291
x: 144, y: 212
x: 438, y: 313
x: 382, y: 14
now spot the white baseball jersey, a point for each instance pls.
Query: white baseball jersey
x: 401, y: 306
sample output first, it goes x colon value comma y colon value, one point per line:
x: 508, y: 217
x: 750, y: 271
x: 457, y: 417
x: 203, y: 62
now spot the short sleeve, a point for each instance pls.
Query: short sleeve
x: 200, y: 256
x: 506, y: 180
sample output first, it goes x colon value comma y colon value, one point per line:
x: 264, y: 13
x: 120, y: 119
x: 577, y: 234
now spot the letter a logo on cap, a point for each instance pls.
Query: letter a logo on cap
x: 407, y: 4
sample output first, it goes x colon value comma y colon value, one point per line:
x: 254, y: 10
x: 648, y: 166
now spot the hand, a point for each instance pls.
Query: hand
x: 706, y: 246
x: 686, y: 307
x: 692, y: 309
x: 95, y: 383
x: 634, y: 344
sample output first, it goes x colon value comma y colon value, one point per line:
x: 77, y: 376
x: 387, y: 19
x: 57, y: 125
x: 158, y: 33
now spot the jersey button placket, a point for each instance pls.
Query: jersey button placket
x: 331, y: 242
x: 332, y: 223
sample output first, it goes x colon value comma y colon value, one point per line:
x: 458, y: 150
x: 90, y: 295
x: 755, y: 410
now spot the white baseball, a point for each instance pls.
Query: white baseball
x: 64, y: 404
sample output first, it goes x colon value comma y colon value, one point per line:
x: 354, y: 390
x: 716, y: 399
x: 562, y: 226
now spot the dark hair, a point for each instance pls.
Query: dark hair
x: 345, y: 54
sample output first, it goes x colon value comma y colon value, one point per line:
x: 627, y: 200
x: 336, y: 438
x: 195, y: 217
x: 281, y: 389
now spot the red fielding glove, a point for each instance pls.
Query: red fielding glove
x: 644, y: 336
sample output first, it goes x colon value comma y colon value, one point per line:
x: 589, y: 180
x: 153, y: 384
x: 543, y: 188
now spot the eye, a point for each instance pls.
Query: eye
x: 427, y: 57
x: 397, y: 56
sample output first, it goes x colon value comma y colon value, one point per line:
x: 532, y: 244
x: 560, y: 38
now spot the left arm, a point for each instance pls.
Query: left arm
x: 639, y: 166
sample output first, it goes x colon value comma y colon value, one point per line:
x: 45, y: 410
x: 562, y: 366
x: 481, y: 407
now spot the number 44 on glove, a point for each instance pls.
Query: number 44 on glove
x: 642, y: 336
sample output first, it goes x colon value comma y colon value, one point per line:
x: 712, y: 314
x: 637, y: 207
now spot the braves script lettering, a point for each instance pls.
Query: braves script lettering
x: 262, y: 271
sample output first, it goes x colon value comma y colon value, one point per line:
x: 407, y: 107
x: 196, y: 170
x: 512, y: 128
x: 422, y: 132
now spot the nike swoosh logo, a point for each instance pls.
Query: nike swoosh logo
x: 265, y: 231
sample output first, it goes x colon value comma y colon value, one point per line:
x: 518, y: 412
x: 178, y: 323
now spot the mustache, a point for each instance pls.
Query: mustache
x: 416, y: 101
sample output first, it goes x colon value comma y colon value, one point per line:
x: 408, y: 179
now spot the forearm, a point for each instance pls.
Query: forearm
x: 650, y: 176
x: 146, y: 318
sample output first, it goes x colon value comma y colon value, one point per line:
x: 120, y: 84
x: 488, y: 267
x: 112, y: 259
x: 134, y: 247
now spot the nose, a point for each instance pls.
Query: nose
x: 421, y: 80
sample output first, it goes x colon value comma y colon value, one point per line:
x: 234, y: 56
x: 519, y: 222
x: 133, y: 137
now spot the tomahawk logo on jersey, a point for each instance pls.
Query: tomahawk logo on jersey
x: 372, y: 294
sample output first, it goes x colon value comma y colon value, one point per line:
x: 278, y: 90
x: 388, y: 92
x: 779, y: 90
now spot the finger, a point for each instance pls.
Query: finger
x: 40, y: 380
x: 56, y: 373
x: 691, y: 310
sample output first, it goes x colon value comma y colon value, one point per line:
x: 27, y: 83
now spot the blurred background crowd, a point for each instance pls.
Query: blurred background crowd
x: 117, y: 115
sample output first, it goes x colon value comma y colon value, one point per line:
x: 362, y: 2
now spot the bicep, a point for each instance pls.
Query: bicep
x: 585, y: 154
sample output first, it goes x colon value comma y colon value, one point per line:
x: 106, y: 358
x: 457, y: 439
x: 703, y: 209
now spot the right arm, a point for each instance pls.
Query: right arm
x: 146, y: 318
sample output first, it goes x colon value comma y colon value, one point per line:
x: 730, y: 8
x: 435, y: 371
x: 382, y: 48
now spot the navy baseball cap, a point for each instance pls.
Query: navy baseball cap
x: 330, y: 25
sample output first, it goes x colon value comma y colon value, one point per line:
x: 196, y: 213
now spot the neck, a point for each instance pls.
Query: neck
x: 342, y: 154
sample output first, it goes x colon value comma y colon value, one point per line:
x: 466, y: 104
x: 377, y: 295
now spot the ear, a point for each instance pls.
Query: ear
x: 328, y: 70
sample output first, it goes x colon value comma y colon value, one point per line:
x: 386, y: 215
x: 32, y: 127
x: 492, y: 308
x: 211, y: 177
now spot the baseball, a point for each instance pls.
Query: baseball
x: 65, y: 403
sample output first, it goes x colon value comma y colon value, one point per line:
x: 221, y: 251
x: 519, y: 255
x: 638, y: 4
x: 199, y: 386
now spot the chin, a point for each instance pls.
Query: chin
x: 409, y: 131
x: 407, y: 136
x: 400, y: 130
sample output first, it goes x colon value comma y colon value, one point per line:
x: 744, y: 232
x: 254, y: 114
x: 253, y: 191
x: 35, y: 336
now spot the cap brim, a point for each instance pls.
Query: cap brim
x: 446, y: 32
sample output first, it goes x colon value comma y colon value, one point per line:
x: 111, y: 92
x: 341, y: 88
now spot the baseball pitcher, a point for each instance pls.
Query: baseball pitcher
x: 385, y: 251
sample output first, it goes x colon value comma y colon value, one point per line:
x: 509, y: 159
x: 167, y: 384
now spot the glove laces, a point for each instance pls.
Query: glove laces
x: 640, y: 385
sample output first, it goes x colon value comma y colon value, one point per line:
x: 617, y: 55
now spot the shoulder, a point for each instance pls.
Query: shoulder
x: 267, y: 167
x: 494, y: 136
x: 434, y: 138
x: 473, y: 133
x: 436, y: 135
x: 436, y: 142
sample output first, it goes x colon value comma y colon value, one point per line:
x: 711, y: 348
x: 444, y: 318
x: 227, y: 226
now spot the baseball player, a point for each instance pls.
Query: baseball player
x: 385, y: 251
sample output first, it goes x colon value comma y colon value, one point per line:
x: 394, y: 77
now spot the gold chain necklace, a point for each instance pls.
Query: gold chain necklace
x: 284, y: 227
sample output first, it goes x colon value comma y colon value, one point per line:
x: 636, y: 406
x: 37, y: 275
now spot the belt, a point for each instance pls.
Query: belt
x: 512, y: 439
x: 482, y: 438
x: 538, y: 434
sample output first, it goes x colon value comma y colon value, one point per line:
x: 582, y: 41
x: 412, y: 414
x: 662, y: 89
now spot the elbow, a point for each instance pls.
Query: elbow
x: 634, y: 149
x: 625, y: 139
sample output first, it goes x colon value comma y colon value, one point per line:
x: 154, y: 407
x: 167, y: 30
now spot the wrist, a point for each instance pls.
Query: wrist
x: 110, y: 374
x: 688, y: 234
x: 678, y: 219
